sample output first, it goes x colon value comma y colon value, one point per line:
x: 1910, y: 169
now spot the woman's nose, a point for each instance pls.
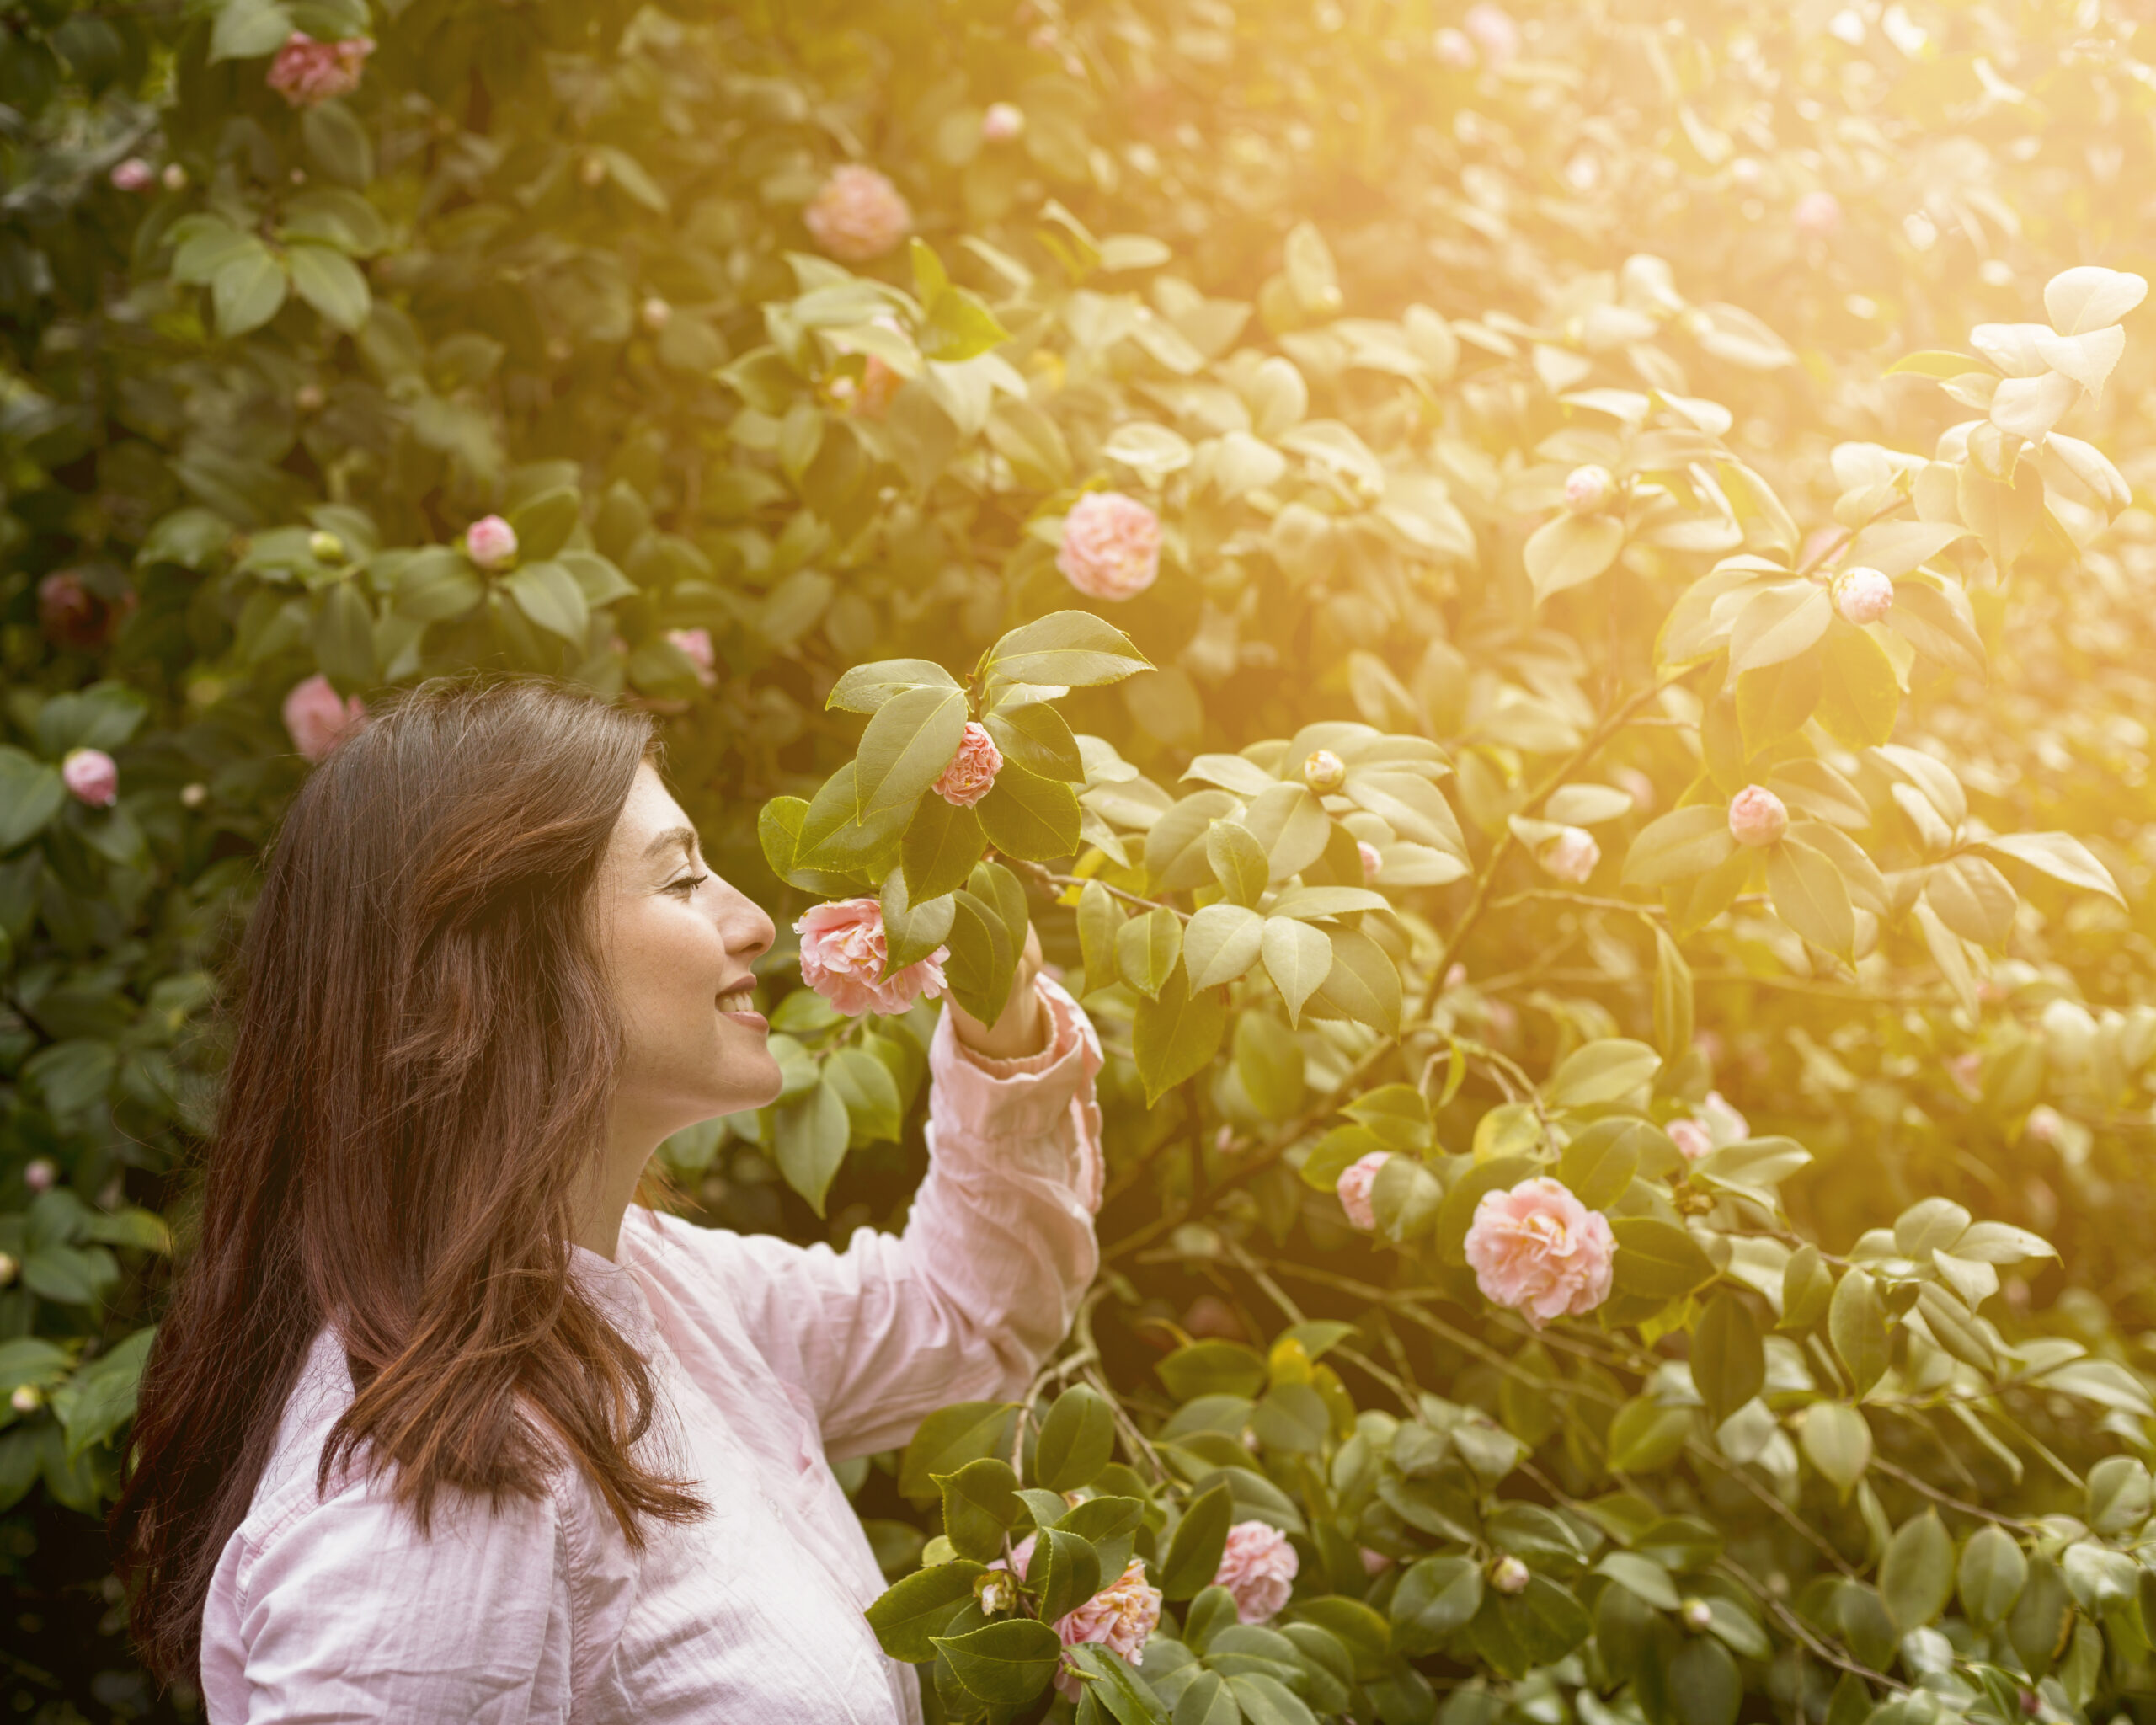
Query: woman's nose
x: 747, y: 927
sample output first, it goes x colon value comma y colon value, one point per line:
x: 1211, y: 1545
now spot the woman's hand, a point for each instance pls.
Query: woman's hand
x: 1024, y: 1026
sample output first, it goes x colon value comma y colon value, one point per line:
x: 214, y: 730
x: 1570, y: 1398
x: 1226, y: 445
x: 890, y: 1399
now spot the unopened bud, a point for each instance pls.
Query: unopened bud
x: 1508, y: 1575
x: 1697, y: 1614
x: 1862, y: 595
x: 325, y: 547
x: 1003, y: 122
x: 174, y: 177
x: 1758, y: 817
x: 40, y: 1174
x: 656, y: 314
x: 308, y: 399
x: 193, y: 796
x: 592, y: 171
x: 1323, y: 771
x: 996, y: 1592
x: 1589, y: 488
x: 26, y: 1398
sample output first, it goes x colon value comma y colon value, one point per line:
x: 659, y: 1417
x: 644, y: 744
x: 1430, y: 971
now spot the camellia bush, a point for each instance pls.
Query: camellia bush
x: 1545, y: 616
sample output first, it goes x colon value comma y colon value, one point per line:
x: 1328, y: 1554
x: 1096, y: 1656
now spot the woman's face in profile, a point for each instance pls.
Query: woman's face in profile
x: 679, y: 943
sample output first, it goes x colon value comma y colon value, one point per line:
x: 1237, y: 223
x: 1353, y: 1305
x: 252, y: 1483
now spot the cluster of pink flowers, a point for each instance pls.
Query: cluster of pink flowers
x: 1758, y: 817
x: 1110, y: 546
x: 842, y: 953
x: 1715, y: 1124
x: 1571, y: 856
x: 317, y: 719
x: 972, y: 772
x: 1121, y: 1617
x: 857, y: 215
x: 1538, y: 1250
x: 90, y: 778
x: 307, y: 72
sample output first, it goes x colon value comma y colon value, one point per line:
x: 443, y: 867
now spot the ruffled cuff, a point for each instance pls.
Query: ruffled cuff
x: 1013, y: 1108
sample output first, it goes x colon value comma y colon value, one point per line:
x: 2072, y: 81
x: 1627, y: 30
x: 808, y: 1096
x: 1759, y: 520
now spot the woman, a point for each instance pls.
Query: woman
x: 442, y: 1425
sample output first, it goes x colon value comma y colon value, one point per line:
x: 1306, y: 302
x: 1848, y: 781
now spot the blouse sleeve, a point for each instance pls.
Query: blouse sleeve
x: 345, y: 1612
x: 984, y: 1280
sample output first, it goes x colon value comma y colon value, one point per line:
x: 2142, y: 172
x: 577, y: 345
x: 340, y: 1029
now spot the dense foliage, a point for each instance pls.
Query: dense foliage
x: 1490, y: 413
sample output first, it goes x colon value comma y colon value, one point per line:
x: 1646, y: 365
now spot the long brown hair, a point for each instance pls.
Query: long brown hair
x: 420, y: 1069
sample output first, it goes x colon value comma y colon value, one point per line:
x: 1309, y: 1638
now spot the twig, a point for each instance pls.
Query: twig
x: 1947, y: 1501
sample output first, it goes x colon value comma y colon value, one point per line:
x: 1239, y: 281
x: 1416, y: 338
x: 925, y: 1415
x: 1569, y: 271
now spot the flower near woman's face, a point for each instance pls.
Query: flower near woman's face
x: 1540, y: 1251
x: 1257, y: 1566
x: 842, y: 953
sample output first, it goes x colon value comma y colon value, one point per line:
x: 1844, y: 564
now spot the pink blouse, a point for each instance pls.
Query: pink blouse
x: 772, y: 1361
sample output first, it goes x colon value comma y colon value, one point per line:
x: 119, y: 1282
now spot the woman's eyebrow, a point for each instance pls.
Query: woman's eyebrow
x: 685, y: 837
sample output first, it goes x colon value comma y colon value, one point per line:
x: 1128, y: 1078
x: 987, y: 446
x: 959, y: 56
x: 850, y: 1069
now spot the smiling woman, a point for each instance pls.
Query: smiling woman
x: 442, y: 1424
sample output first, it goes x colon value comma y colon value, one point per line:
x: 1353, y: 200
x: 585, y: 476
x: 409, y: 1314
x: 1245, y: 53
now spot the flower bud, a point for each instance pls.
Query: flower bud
x: 591, y: 171
x: 1323, y: 771
x: 308, y: 399
x: 1373, y: 864
x: 40, y: 1174
x: 8, y: 1268
x: 1697, y: 1614
x: 490, y: 542
x: 1571, y: 856
x: 193, y: 796
x: 26, y: 1398
x: 655, y: 314
x: 91, y: 778
x: 174, y: 177
x: 996, y: 1592
x: 1862, y: 595
x: 1589, y: 488
x: 325, y: 547
x: 1003, y: 122
x: 1758, y: 817
x: 132, y: 175
x: 1817, y: 215
x: 1508, y: 1575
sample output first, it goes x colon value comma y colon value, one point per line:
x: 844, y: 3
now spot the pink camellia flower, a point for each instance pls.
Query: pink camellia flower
x: 1571, y: 856
x: 307, y: 72
x: 1716, y: 1125
x: 490, y: 542
x: 39, y: 1175
x: 91, y: 777
x: 1863, y: 596
x: 842, y: 951
x: 1691, y: 1137
x: 1373, y: 864
x: 1493, y: 31
x: 1540, y: 1251
x: 857, y: 215
x: 316, y: 719
x: 1110, y: 546
x: 972, y: 772
x: 1354, y: 1185
x: 1122, y: 1616
x: 1817, y: 215
x: 1589, y: 488
x: 1453, y: 48
x: 1758, y: 817
x: 1257, y: 1566
x: 696, y: 648
x: 132, y: 175
x: 1003, y: 122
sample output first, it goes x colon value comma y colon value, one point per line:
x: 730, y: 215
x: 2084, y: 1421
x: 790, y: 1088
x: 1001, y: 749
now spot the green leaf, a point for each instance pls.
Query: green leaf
x: 909, y: 742
x: 1673, y: 998
x: 1119, y: 1693
x: 874, y: 1112
x: 1004, y: 1662
x: 912, y: 932
x: 1221, y: 943
x: 1837, y: 1442
x: 1110, y: 1524
x: 1362, y: 982
x: 1646, y: 1436
x: 1537, y: 1627
x: 1065, y: 1569
x: 1077, y: 1440
x: 1656, y: 1259
x: 980, y: 1505
x: 1679, y: 846
x: 1570, y: 551
x: 1704, y: 1684
x: 100, y: 1399
x: 1146, y: 949
x: 1858, y: 696
x: 30, y: 795
x: 866, y: 687
x: 248, y: 30
x: 810, y: 1138
x: 1200, y: 1538
x: 1213, y: 1369
x: 942, y: 845
x: 1298, y: 958
x: 544, y: 523
x: 1598, y: 1164
x: 548, y: 594
x: 1070, y: 649
x: 343, y: 635
x: 959, y: 326
x: 1174, y: 1036
x: 1856, y: 1322
x: 1037, y: 739
x: 330, y: 282
x: 1604, y: 1071
x: 2003, y: 516
x: 909, y: 1616
x: 1933, y: 362
x: 1030, y: 817
x: 247, y: 291
x: 1239, y: 862
x: 1915, y: 1576
x: 2060, y: 857
x: 1778, y: 623
x: 1807, y: 1289
x: 1808, y: 894
x: 984, y: 959
x: 1435, y: 1597
x: 338, y: 144
x: 1992, y: 1573
x: 1774, y: 701
x: 1729, y: 1358
x: 1269, y: 1061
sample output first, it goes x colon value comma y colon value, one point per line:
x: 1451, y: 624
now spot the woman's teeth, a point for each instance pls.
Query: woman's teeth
x: 741, y: 999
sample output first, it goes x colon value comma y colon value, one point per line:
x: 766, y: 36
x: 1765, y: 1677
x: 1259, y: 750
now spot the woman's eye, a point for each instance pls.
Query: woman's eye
x: 687, y: 884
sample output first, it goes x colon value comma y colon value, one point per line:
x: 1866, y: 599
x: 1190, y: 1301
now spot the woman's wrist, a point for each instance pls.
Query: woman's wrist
x: 1023, y: 1028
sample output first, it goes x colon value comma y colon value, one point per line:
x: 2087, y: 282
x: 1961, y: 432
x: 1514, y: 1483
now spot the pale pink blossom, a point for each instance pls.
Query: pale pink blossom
x: 1493, y: 31
x: 1540, y: 1251
x: 1003, y: 122
x: 173, y: 178
x: 1354, y: 1184
x: 1817, y: 215
x: 1508, y: 1575
x: 2045, y: 1124
x: 91, y: 777
x: 1758, y: 817
x: 490, y: 542
x: 880, y: 382
x: 39, y: 1175
x: 857, y: 215
x: 316, y: 719
x: 1257, y: 1566
x: 1863, y: 596
x: 1372, y: 862
x: 1122, y: 1616
x: 842, y: 952
x: 972, y: 772
x: 1589, y: 488
x: 695, y: 645
x: 1691, y: 1137
x: 26, y: 1398
x: 307, y: 72
x: 1323, y: 771
x: 1571, y: 856
x: 1453, y: 48
x: 132, y: 175
x: 1374, y: 1563
x: 1110, y: 546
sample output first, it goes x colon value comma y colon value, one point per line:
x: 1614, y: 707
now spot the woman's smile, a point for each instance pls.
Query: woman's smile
x: 739, y: 1003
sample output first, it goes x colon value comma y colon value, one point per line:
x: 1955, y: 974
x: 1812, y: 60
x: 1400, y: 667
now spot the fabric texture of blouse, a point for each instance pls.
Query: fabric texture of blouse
x: 772, y: 1360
